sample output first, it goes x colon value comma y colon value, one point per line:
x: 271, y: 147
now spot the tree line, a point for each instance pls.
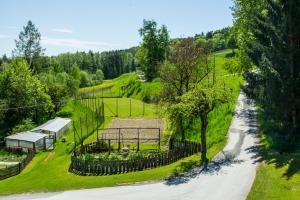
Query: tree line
x: 268, y: 35
x: 34, y: 87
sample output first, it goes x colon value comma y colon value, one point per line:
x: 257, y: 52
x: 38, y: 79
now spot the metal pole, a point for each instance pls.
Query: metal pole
x: 81, y: 131
x: 74, y: 133
x: 86, y: 123
x: 130, y: 106
x: 97, y: 121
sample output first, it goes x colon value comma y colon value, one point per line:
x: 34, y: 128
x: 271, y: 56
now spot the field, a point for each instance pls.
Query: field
x: 144, y: 130
x: 50, y: 169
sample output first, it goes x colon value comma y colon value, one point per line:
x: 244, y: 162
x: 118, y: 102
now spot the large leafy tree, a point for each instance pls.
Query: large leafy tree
x: 272, y: 44
x: 186, y: 66
x: 198, y: 103
x: 153, y: 50
x: 23, y: 94
x: 28, y: 44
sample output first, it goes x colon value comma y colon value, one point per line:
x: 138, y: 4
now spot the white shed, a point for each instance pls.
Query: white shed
x: 26, y: 140
x: 55, y: 127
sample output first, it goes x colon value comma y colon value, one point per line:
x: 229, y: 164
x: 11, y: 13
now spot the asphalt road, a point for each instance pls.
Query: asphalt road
x: 229, y: 176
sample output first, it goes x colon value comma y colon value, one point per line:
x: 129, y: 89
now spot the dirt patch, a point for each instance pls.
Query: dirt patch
x: 50, y: 154
x: 130, y: 130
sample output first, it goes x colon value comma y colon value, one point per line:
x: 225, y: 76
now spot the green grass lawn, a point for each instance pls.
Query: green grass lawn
x: 49, y: 170
x: 127, y: 108
x: 278, y: 175
x: 277, y: 178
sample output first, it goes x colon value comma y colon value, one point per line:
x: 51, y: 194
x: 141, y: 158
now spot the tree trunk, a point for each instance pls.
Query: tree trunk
x: 181, y: 129
x: 204, y: 124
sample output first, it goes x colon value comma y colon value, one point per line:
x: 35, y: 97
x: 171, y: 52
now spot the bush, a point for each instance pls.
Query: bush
x: 24, y: 125
x: 64, y: 113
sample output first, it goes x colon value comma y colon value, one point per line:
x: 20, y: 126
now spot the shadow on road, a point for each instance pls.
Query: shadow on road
x: 214, y: 167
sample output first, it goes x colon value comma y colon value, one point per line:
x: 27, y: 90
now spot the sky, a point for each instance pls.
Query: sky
x: 102, y: 25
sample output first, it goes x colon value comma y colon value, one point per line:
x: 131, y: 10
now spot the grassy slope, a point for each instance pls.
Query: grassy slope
x: 278, y: 176
x: 49, y: 170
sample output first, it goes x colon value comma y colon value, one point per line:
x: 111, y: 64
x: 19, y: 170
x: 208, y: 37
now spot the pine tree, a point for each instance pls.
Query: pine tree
x: 28, y: 45
x: 274, y: 49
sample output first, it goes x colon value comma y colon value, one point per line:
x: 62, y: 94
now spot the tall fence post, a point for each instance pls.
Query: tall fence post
x: 158, y: 138
x: 86, y: 123
x: 119, y: 140
x: 138, y: 138
x: 109, y: 146
x: 130, y: 106
x: 117, y: 107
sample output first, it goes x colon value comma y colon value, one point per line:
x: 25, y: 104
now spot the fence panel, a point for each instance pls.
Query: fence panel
x: 16, y: 169
x: 179, y: 150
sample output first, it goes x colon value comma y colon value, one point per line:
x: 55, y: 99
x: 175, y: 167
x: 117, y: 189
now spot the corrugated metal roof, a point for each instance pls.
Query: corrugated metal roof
x: 53, y: 125
x: 27, y: 136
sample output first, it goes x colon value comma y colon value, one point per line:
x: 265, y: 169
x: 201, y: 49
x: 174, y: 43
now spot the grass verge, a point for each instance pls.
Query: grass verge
x: 278, y: 175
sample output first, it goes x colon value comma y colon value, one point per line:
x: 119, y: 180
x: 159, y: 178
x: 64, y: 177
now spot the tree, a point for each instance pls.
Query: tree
x: 198, y: 103
x: 23, y: 92
x: 153, y: 48
x: 186, y: 66
x: 85, y: 79
x: 28, y: 44
x: 272, y: 38
x: 99, y: 76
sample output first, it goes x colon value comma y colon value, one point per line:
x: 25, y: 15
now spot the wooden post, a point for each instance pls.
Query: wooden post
x: 159, y: 138
x: 109, y: 147
x: 143, y: 108
x: 119, y: 140
x: 138, y: 143
x: 44, y: 140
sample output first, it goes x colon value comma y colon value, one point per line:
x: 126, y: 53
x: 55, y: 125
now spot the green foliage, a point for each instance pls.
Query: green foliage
x: 24, y: 125
x: 85, y: 79
x: 20, y: 88
x: 99, y: 76
x: 153, y: 50
x: 112, y: 63
x: 6, y: 156
x: 270, y: 30
x: 28, y: 45
x: 233, y: 65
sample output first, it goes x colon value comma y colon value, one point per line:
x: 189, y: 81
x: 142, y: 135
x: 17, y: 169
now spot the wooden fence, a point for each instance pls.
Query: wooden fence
x: 16, y: 169
x: 97, y: 167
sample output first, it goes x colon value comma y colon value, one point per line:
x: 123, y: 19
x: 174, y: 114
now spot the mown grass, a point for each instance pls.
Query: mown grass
x: 278, y: 175
x: 105, y: 84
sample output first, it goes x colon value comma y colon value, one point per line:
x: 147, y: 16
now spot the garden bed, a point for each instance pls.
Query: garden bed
x: 8, y: 156
x: 85, y: 162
